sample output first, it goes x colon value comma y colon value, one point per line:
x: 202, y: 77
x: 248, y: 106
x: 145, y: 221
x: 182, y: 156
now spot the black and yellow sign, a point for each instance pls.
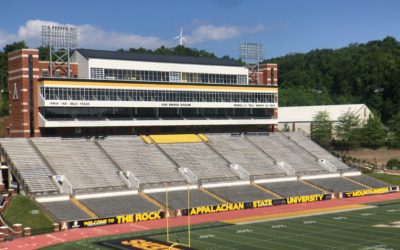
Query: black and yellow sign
x: 141, y: 243
x: 358, y: 193
x: 262, y: 203
x: 308, y: 198
x: 214, y: 209
x: 120, y: 219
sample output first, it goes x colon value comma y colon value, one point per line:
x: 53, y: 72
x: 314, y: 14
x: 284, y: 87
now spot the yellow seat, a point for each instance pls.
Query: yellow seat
x: 176, y: 138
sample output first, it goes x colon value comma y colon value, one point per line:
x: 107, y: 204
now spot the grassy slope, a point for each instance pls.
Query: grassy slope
x: 20, y: 211
x: 392, y: 179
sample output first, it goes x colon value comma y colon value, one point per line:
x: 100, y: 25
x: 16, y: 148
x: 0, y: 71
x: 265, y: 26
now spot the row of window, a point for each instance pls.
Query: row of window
x: 132, y: 113
x: 84, y: 94
x: 163, y: 76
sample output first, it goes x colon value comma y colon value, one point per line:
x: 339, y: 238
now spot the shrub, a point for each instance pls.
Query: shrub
x: 393, y: 164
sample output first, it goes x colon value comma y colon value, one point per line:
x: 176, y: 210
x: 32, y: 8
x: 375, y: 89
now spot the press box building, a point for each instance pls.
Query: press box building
x: 113, y: 93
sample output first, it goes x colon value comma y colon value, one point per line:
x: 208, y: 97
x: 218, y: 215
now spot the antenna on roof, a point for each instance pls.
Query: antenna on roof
x: 181, y: 38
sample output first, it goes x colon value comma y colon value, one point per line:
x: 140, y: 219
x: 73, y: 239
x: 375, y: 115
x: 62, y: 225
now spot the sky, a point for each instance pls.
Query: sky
x: 219, y: 26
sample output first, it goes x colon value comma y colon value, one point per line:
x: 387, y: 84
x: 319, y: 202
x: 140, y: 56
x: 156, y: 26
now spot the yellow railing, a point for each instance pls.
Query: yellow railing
x: 84, y: 208
x: 217, y: 197
x: 152, y: 200
x: 146, y: 139
x: 266, y: 190
x: 203, y: 137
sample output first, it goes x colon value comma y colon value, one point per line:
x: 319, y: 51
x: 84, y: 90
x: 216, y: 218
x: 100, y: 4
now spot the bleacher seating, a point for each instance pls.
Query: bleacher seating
x: 281, y: 149
x: 29, y: 165
x: 291, y: 188
x: 336, y: 184
x: 242, y: 193
x: 145, y: 161
x: 238, y: 150
x: 200, y: 159
x: 370, y: 181
x: 316, y: 150
x: 179, y: 199
x: 119, y: 205
x: 65, y: 210
x: 81, y: 161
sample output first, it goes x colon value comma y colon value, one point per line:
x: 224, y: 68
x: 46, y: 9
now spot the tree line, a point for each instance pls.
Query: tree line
x: 359, y: 73
x: 350, y: 133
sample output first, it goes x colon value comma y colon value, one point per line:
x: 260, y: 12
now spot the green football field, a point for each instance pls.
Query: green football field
x: 371, y: 228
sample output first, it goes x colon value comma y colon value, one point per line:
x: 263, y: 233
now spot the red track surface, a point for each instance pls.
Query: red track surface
x: 44, y: 240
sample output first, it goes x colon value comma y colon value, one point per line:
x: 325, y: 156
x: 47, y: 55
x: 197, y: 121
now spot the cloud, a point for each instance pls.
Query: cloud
x: 6, y: 38
x: 217, y: 33
x: 94, y: 37
x: 30, y: 32
x: 90, y: 36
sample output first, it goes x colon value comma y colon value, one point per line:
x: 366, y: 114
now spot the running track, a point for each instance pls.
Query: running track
x: 44, y: 240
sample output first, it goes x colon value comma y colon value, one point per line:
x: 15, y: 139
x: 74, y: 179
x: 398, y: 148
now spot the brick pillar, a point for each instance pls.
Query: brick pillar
x: 5, y: 197
x: 268, y: 76
x: 4, y: 231
x: 56, y: 227
x: 17, y: 230
x: 275, y: 75
x: 19, y: 90
x: 27, y: 231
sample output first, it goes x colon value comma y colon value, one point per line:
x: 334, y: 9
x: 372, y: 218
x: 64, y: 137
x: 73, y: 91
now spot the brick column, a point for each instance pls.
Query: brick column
x: 27, y: 231
x: 17, y: 230
x: 18, y: 90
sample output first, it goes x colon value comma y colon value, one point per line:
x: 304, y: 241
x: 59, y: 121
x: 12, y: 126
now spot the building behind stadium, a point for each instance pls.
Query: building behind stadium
x: 119, y: 93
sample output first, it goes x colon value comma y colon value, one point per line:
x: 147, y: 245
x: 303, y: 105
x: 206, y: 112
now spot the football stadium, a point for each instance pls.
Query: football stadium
x: 158, y: 152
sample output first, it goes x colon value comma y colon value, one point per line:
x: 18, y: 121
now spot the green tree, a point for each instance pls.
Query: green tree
x: 373, y: 133
x: 393, y: 164
x: 321, y: 129
x: 394, y: 131
x: 348, y: 131
x: 359, y: 73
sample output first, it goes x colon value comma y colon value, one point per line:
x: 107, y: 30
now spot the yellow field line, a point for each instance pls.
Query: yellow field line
x: 315, y: 211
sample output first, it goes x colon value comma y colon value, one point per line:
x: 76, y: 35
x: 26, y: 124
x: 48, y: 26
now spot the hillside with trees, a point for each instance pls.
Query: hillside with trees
x: 359, y: 73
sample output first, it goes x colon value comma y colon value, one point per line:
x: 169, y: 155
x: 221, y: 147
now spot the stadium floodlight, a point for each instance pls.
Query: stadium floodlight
x: 60, y: 40
x: 252, y: 51
x: 59, y: 36
x: 252, y: 54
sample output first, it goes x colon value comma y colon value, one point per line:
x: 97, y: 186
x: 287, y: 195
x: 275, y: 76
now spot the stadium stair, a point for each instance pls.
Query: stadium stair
x: 359, y: 183
x: 152, y: 200
x: 298, y: 145
x: 217, y: 152
x: 146, y: 139
x: 32, y: 143
x: 116, y: 165
x: 314, y: 186
x: 267, y: 190
x: 176, y: 138
x: 84, y: 208
x: 260, y: 149
x: 213, y: 195
x: 203, y: 137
